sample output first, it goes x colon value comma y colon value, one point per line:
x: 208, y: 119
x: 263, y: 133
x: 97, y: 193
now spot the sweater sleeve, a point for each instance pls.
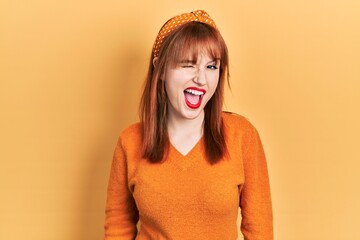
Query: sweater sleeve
x: 255, y: 200
x: 121, y: 214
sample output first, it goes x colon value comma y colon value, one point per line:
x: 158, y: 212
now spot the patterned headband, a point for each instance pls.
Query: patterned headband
x: 173, y: 23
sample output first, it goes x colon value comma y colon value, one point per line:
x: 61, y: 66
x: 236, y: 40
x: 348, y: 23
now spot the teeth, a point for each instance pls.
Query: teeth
x: 194, y: 92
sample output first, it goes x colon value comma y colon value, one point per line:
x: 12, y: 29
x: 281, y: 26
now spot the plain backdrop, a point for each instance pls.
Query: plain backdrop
x: 71, y: 74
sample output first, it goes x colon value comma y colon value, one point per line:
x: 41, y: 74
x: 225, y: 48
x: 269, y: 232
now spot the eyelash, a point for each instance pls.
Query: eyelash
x: 212, y: 67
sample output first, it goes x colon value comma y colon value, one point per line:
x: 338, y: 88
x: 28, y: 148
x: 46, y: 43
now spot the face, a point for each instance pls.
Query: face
x: 190, y: 85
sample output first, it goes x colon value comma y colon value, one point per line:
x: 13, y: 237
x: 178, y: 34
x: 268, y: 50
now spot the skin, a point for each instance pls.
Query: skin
x: 185, y: 124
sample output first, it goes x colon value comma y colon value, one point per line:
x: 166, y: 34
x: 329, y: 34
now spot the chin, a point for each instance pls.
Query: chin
x: 192, y: 113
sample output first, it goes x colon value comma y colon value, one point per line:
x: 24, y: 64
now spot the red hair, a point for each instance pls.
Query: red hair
x: 190, y: 39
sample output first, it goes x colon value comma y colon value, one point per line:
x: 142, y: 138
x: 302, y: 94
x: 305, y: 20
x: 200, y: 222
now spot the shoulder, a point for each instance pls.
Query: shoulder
x: 239, y: 131
x: 132, y: 130
x: 235, y: 121
x: 130, y: 136
x: 238, y: 128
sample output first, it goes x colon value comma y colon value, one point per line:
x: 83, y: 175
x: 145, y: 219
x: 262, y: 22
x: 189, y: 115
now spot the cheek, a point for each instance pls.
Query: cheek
x: 172, y: 90
x: 213, y: 82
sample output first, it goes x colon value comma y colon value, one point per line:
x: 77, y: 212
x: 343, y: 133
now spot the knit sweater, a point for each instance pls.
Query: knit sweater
x: 185, y: 197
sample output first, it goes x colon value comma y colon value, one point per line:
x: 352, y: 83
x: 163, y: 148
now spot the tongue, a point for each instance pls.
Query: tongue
x: 193, y: 99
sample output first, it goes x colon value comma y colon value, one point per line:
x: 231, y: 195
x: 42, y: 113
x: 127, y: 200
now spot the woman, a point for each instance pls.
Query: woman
x: 185, y: 169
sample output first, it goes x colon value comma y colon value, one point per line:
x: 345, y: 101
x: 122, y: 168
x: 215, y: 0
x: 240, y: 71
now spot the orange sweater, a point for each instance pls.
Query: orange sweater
x: 187, y: 198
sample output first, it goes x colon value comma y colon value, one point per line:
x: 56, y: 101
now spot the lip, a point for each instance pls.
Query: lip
x: 197, y: 89
x: 197, y: 105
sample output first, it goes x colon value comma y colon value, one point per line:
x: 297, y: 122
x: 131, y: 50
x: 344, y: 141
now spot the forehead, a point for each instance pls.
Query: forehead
x: 208, y: 50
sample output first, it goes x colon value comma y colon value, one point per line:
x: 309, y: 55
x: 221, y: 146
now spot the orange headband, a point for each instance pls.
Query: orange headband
x: 170, y: 25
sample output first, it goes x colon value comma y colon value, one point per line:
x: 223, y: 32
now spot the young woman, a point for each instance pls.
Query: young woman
x: 185, y: 169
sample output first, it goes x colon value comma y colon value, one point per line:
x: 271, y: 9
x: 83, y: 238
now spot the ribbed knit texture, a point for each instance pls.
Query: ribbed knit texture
x: 186, y: 198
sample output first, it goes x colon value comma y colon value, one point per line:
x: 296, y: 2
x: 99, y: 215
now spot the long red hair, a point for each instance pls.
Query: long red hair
x: 187, y: 40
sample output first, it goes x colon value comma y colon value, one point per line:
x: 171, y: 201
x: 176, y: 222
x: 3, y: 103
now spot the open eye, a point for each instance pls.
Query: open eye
x: 212, y: 67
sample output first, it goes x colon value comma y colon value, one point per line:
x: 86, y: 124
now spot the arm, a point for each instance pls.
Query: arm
x: 121, y: 214
x: 255, y: 200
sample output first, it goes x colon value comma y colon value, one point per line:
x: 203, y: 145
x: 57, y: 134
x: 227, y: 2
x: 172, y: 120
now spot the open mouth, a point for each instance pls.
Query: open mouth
x: 193, y: 97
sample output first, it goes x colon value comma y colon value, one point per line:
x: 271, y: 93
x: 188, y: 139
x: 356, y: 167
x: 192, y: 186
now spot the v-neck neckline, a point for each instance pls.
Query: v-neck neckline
x: 175, y: 151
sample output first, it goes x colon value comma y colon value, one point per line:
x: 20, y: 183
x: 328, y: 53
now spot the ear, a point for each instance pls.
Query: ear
x: 155, y: 61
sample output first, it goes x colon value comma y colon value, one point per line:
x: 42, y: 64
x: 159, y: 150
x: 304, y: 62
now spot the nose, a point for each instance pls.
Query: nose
x: 200, y: 77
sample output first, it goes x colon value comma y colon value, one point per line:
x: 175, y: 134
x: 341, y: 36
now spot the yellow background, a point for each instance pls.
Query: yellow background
x: 71, y: 74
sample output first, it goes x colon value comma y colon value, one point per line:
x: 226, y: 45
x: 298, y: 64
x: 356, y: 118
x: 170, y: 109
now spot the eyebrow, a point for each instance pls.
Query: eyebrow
x: 188, y: 61
x: 214, y: 61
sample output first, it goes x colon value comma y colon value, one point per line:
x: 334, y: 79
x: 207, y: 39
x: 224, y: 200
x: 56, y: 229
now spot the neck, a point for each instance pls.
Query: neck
x: 185, y: 127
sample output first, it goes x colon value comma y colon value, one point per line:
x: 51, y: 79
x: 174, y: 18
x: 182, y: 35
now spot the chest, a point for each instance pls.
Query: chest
x: 187, y: 184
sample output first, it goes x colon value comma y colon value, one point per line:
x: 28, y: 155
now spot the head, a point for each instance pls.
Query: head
x: 187, y: 42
